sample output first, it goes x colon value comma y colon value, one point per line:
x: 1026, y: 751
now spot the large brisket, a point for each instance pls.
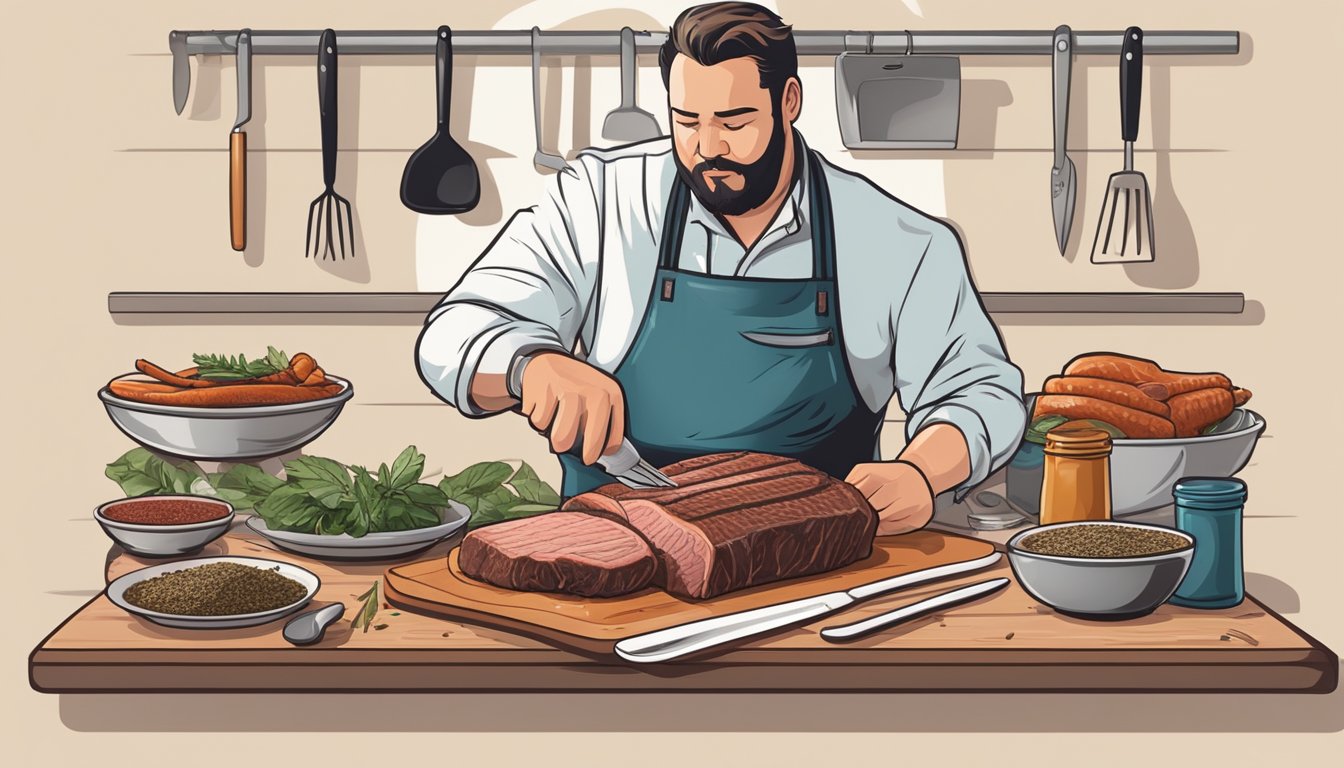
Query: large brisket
x: 740, y: 519
x: 560, y: 552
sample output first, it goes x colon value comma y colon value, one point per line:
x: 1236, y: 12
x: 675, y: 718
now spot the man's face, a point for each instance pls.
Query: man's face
x: 727, y: 133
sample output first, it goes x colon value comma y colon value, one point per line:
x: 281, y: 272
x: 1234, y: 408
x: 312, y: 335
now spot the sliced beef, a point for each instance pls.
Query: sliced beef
x: 569, y: 552
x: 741, y: 519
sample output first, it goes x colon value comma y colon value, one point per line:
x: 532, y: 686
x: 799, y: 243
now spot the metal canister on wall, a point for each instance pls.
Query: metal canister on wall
x: 1210, y: 509
x: 1076, y: 484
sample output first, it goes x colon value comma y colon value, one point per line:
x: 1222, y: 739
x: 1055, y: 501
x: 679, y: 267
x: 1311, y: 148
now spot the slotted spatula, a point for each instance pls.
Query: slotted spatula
x: 1130, y: 239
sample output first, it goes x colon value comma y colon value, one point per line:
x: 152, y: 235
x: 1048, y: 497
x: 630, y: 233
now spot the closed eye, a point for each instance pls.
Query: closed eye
x: 737, y: 127
x: 691, y: 125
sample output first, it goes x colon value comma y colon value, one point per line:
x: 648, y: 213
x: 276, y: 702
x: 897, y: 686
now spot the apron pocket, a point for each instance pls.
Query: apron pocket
x: 804, y: 338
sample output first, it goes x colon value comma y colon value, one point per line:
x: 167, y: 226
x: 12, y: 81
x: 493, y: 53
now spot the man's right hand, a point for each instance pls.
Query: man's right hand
x: 574, y: 404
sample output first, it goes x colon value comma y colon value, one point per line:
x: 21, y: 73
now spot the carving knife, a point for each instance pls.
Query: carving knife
x: 1063, y: 176
x: 684, y: 639
x: 238, y: 145
x: 177, y: 44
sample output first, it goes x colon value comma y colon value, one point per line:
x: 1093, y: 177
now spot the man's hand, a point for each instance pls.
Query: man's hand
x: 574, y: 403
x: 898, y: 492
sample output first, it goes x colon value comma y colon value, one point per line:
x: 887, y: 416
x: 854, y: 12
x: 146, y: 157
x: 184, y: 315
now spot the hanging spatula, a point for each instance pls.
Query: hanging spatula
x: 1127, y: 196
x: 628, y: 122
x: 441, y: 177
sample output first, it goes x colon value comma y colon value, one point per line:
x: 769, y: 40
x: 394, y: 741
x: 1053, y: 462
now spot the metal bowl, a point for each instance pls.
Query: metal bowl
x: 225, y: 434
x: 1143, y: 471
x: 116, y: 592
x: 164, y: 540
x: 1109, y: 589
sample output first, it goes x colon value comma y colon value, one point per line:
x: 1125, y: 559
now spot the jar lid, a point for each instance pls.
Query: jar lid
x: 1085, y: 442
x: 1210, y: 492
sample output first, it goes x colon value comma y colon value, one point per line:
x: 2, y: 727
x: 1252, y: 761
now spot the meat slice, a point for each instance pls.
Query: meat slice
x: 738, y: 520
x: 569, y: 552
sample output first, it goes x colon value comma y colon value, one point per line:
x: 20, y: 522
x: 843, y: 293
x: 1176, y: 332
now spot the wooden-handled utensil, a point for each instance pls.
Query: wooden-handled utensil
x: 238, y: 145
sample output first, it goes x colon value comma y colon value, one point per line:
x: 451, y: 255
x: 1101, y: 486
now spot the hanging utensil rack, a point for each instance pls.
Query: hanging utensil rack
x: 184, y: 44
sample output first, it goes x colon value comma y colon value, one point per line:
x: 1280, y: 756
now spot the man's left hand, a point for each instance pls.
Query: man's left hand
x: 898, y: 492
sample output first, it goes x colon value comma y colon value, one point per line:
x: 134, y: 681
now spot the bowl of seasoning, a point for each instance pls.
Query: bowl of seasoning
x: 1101, y: 569
x: 164, y: 526
x: 215, y: 592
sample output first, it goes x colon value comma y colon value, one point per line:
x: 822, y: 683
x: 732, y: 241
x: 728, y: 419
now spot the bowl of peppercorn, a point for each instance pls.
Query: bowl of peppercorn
x: 1100, y: 569
x: 164, y: 526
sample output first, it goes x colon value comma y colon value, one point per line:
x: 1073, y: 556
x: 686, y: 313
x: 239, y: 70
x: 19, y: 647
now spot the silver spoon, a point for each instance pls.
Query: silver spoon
x: 308, y: 628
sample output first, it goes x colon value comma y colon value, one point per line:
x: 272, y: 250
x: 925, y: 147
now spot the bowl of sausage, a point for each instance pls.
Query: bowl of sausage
x: 1164, y: 425
x: 226, y: 413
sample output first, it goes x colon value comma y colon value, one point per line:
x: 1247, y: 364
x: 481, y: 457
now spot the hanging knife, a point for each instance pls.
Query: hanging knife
x: 177, y: 44
x: 683, y: 639
x: 1063, y: 176
x: 238, y: 145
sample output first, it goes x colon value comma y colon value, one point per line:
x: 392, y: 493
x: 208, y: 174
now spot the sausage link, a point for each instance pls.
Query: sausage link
x: 1131, y: 421
x: 1116, y: 392
x: 1191, y: 412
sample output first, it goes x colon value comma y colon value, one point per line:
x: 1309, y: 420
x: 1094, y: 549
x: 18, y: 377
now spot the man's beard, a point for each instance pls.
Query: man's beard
x: 759, y: 179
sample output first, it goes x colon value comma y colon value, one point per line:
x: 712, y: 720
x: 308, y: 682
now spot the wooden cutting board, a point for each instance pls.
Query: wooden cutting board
x: 437, y: 587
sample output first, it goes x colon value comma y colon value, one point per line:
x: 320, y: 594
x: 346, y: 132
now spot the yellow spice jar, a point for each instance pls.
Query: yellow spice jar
x: 1077, y: 476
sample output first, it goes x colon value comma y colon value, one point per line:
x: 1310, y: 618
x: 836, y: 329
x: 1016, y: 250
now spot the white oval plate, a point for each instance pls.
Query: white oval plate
x: 116, y: 592
x: 373, y: 546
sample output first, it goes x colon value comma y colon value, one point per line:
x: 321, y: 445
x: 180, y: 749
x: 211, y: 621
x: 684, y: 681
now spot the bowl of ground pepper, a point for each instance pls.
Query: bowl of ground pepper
x: 224, y: 592
x: 1101, y: 569
x: 164, y: 526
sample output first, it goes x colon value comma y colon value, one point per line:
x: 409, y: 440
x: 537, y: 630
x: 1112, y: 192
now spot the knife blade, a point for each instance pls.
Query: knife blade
x: 684, y: 639
x: 1063, y: 175
x: 177, y: 44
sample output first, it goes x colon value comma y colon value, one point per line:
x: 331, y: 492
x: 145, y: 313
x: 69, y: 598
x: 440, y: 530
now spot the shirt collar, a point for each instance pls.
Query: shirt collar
x: 791, y: 216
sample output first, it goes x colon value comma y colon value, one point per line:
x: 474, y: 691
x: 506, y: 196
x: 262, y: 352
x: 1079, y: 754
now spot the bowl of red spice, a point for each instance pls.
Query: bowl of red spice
x: 164, y: 526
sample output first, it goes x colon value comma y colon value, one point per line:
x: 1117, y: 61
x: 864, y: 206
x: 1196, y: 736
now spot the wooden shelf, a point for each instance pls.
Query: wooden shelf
x: 130, y: 303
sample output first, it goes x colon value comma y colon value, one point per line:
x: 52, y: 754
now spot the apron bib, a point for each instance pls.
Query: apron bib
x: 741, y: 364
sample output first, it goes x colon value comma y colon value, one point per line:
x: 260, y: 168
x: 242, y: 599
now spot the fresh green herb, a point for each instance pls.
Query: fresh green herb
x: 228, y: 368
x: 323, y: 496
x: 482, y: 488
x: 1036, y: 432
x: 368, y: 611
x: 140, y: 473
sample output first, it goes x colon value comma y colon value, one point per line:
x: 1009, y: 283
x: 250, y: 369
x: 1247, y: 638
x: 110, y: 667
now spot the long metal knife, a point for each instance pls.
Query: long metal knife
x: 238, y: 145
x: 1063, y: 176
x: 177, y: 44
x: 857, y: 629
x: 683, y: 639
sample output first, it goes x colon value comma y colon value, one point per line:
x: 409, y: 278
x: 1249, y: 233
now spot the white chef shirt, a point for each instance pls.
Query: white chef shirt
x: 579, y: 267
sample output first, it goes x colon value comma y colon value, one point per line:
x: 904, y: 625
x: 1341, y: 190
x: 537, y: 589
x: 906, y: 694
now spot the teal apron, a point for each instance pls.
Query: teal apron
x: 741, y: 363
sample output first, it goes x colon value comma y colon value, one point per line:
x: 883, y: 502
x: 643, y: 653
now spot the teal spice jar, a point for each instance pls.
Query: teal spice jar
x: 1210, y: 510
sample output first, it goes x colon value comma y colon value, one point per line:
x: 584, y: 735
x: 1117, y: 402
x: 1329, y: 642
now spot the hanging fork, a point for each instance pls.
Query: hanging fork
x: 328, y: 205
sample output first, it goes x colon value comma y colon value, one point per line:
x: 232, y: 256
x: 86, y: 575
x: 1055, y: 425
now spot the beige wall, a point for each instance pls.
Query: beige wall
x: 107, y: 189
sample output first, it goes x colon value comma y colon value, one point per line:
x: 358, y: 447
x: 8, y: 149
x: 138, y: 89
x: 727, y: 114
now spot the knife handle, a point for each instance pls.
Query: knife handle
x: 1131, y: 82
x: 238, y: 189
x: 1062, y: 70
x: 857, y: 629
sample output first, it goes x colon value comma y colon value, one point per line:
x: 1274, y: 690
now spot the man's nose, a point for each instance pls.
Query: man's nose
x: 711, y: 143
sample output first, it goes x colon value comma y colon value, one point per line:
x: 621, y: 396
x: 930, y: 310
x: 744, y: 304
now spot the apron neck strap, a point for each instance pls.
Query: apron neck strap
x: 819, y: 220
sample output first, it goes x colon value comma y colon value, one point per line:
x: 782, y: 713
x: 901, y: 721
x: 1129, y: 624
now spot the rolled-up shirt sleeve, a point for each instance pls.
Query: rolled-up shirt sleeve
x: 949, y: 362
x: 530, y: 290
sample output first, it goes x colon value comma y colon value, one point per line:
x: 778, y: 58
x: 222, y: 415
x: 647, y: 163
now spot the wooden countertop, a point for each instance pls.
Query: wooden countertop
x: 1007, y: 642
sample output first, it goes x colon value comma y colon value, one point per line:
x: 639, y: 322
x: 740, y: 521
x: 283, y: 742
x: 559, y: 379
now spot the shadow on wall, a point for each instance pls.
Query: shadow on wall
x: 685, y: 712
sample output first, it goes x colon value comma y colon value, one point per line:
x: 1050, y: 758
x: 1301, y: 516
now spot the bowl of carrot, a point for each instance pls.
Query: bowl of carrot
x: 226, y: 408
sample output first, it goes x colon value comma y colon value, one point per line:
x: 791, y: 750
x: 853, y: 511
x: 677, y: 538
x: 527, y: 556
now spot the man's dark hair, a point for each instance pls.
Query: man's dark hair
x: 716, y: 32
